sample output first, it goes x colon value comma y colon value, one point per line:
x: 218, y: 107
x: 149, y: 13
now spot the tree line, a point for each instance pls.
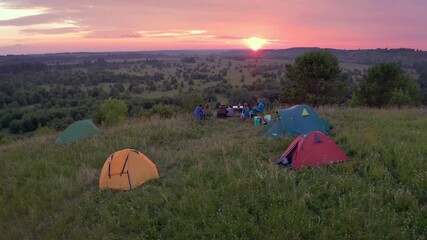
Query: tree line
x: 317, y: 79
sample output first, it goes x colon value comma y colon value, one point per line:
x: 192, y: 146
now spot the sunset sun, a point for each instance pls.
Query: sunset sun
x: 255, y: 43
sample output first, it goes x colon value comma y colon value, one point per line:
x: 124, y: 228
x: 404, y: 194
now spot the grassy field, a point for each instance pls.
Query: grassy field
x: 218, y: 180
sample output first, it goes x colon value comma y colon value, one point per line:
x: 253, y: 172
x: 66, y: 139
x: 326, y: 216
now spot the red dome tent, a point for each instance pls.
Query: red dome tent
x: 313, y: 149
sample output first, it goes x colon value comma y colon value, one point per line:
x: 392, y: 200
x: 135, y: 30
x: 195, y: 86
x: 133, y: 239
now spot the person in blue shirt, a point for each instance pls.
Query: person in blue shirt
x: 245, y: 112
x: 199, y: 114
x: 259, y: 108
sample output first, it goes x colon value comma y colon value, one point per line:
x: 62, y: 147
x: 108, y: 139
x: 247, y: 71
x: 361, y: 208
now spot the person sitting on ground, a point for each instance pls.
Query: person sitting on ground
x: 199, y: 114
x: 221, y: 112
x: 230, y: 111
x: 259, y: 109
x: 208, y: 111
x: 245, y: 112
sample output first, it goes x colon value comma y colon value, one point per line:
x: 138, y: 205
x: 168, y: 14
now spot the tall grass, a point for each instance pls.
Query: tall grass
x: 218, y: 180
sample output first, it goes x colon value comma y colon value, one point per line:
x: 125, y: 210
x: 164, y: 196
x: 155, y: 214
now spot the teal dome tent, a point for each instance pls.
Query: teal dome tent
x: 78, y: 130
x: 294, y: 121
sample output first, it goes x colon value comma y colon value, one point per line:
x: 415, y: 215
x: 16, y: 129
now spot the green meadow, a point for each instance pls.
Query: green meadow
x: 218, y: 181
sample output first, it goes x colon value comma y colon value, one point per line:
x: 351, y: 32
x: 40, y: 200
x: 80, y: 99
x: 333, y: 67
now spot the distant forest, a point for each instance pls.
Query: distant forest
x: 54, y: 90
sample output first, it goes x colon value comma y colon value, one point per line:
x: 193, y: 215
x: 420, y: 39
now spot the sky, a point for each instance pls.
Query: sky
x: 49, y: 26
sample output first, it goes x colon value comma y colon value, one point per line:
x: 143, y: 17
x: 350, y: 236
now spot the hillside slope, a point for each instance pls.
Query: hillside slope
x: 218, y: 181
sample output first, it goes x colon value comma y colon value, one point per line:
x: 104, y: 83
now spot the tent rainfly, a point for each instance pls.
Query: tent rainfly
x: 126, y: 170
x: 78, y: 130
x: 313, y: 149
x: 299, y: 119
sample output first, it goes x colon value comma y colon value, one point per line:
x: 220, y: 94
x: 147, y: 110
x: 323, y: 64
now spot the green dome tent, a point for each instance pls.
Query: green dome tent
x: 78, y: 130
x: 294, y: 121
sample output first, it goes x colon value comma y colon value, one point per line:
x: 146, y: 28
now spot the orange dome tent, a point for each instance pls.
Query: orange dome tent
x: 126, y: 170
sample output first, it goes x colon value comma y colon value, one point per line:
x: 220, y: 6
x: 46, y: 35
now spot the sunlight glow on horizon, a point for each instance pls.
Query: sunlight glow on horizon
x: 255, y: 43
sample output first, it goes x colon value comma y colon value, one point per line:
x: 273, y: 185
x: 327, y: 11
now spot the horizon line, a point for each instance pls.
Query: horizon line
x: 207, y: 49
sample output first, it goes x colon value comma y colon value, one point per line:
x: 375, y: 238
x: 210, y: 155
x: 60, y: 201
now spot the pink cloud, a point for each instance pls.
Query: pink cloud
x: 51, y: 30
x: 31, y: 20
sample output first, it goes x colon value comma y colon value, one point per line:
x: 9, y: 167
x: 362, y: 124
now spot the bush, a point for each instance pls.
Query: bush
x: 188, y: 101
x: 161, y: 110
x: 400, y: 98
x: 112, y: 111
x: 386, y: 84
x: 355, y: 101
x: 40, y: 131
x: 5, y: 140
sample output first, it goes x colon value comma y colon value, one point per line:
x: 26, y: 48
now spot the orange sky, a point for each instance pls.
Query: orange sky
x: 42, y: 26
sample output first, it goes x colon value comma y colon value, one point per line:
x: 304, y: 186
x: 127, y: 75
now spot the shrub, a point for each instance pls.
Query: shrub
x: 400, y: 98
x: 112, y: 111
x: 45, y: 130
x: 386, y: 84
x: 188, y: 101
x: 161, y: 110
x: 5, y: 140
x: 355, y: 101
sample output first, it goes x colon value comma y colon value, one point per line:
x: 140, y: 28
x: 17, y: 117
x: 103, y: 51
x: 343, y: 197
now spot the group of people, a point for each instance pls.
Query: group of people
x: 224, y: 111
